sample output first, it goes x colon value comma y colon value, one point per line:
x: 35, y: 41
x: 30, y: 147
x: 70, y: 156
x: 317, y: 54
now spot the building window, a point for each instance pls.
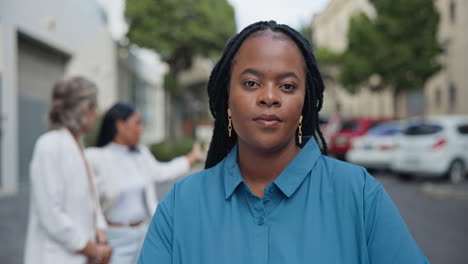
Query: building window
x: 452, y: 96
x: 437, y: 99
x: 453, y: 11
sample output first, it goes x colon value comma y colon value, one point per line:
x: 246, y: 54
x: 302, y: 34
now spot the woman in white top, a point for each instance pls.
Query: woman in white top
x: 65, y: 220
x: 126, y: 174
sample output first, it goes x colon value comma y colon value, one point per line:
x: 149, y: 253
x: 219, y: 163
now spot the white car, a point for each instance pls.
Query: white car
x: 377, y: 148
x: 435, y: 147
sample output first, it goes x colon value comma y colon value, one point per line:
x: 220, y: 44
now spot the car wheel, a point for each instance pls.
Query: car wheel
x: 456, y: 172
x: 405, y: 176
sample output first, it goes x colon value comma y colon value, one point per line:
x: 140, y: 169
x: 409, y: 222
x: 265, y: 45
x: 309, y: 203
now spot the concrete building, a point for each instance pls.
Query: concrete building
x: 329, y: 30
x: 140, y: 81
x: 330, y: 27
x: 41, y: 42
x: 442, y: 93
x: 446, y: 92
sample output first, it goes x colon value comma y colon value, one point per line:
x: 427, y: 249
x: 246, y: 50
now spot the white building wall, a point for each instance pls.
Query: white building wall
x: 75, y: 27
x: 150, y: 69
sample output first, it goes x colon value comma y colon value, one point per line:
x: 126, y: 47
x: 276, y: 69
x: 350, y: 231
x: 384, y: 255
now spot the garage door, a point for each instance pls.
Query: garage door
x: 39, y: 66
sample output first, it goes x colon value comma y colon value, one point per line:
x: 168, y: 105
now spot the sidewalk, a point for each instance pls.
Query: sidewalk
x: 444, y: 190
x: 14, y: 218
x: 13, y: 223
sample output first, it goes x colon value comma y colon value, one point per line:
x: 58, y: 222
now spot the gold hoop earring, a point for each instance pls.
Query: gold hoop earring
x: 299, y: 133
x: 229, y: 122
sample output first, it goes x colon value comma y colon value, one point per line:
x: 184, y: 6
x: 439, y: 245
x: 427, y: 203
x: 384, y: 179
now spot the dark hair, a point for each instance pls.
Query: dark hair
x: 119, y: 111
x: 221, y: 143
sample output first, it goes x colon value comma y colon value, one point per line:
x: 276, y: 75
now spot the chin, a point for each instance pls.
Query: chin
x: 271, y: 144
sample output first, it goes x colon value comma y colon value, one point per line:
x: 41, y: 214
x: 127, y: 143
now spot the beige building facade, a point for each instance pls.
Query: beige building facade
x: 444, y: 93
x: 447, y: 91
x: 329, y: 30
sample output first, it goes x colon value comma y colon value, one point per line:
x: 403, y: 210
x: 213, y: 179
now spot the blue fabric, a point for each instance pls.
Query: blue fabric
x: 318, y: 210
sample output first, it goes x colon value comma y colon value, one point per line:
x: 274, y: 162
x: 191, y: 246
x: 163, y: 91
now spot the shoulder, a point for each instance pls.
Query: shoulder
x: 200, y: 180
x: 52, y: 145
x: 346, y: 177
x: 49, y: 141
x: 145, y: 151
x: 94, y: 154
x: 205, y: 184
x: 93, y: 151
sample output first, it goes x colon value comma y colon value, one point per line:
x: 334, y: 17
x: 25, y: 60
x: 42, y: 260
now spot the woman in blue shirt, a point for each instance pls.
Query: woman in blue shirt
x: 268, y: 193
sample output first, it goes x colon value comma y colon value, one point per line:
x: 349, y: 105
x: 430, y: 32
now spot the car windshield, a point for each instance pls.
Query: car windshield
x: 386, y: 130
x: 422, y: 129
x: 350, y: 125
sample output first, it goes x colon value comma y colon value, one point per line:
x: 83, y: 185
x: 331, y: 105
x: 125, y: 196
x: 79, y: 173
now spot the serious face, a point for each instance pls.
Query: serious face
x: 266, y: 91
x: 129, y: 131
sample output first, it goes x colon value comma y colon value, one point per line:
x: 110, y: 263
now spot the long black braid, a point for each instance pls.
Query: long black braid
x: 221, y: 143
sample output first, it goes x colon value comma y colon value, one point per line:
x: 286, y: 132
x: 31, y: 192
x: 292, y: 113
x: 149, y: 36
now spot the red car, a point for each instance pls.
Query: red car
x: 340, y: 142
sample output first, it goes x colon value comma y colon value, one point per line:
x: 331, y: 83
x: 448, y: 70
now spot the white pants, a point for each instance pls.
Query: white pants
x: 126, y: 243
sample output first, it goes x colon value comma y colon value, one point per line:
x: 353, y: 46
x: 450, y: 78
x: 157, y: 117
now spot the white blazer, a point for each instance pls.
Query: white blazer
x: 105, y: 164
x: 61, y: 208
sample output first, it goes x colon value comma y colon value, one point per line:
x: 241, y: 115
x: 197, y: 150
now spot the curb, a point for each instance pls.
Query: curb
x: 444, y: 191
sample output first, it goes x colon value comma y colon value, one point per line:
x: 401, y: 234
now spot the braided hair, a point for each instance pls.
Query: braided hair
x: 218, y: 83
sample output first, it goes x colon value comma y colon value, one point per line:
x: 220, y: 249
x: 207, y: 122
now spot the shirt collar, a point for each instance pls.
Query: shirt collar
x: 294, y: 174
x: 288, y: 181
x: 232, y: 177
x: 119, y: 148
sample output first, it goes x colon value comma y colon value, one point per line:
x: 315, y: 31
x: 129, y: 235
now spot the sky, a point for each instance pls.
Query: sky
x: 291, y: 12
x: 294, y: 13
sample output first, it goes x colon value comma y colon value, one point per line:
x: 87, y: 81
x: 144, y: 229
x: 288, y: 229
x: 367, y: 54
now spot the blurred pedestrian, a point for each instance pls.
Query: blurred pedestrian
x: 126, y: 173
x: 65, y: 220
x: 269, y: 194
x: 333, y: 124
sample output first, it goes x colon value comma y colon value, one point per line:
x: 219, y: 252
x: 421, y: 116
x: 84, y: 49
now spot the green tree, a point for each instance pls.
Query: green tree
x: 180, y: 29
x: 306, y: 31
x: 399, y: 47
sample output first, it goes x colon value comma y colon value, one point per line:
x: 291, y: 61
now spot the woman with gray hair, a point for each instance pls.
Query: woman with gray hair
x: 65, y: 220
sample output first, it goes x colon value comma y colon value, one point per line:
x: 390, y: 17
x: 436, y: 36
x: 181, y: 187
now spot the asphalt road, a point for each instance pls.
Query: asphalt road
x: 436, y: 214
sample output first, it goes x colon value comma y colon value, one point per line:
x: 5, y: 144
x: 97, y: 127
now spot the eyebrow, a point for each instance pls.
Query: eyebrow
x: 287, y: 75
x: 280, y: 77
x: 252, y: 71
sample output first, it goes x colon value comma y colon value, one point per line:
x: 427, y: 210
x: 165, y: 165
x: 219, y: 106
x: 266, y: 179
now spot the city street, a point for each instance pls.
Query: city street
x: 435, y: 212
x: 436, y: 215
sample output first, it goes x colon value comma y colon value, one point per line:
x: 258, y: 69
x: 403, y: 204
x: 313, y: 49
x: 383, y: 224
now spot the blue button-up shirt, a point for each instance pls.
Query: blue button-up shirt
x: 318, y: 210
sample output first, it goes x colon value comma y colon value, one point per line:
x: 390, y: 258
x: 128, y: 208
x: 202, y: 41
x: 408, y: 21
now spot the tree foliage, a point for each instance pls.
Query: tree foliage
x: 399, y: 45
x: 306, y: 31
x: 180, y: 29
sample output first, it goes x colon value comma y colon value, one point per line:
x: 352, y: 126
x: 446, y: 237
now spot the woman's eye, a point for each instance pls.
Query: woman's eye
x: 288, y: 87
x: 250, y: 84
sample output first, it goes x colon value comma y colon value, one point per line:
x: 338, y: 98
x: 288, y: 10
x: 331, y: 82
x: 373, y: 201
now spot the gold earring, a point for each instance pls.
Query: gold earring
x: 230, y: 122
x: 299, y: 133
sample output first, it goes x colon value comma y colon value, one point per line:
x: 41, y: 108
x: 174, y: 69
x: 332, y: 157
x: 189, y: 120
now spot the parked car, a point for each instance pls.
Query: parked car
x: 340, y: 142
x: 377, y: 148
x: 435, y: 147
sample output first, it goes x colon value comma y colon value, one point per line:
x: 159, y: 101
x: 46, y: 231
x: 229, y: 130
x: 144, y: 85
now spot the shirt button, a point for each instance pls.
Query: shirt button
x: 260, y: 221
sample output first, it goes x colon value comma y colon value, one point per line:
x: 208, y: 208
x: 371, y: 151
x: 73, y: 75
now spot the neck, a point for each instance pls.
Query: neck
x: 119, y: 141
x: 259, y: 168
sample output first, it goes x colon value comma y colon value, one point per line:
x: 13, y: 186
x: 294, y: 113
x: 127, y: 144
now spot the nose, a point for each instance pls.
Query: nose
x: 269, y: 96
